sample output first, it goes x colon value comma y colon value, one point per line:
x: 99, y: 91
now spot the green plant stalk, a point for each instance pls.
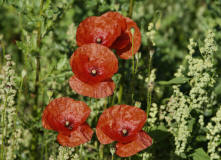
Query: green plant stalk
x: 114, y: 97
x: 2, y: 55
x: 3, y: 129
x: 120, y: 94
x: 133, y: 69
x: 81, y: 149
x: 130, y: 14
x: 38, y: 64
x: 101, y: 151
x: 149, y: 94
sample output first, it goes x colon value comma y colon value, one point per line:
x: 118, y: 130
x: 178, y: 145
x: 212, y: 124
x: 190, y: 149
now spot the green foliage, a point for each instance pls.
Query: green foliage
x: 199, y: 154
x: 177, y: 80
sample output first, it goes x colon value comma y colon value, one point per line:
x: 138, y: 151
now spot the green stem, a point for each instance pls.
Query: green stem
x: 149, y: 93
x: 2, y: 55
x: 38, y: 64
x: 114, y: 97
x: 101, y: 151
x: 120, y: 94
x: 112, y: 157
x: 3, y: 129
x: 133, y: 69
x: 130, y: 14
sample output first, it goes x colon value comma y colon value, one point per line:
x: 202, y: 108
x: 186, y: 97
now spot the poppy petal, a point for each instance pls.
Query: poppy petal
x: 92, y: 63
x: 126, y: 53
x: 121, y: 42
x: 77, y: 137
x: 65, y: 114
x: 118, y: 17
x: 142, y: 141
x: 102, y: 137
x: 122, y: 122
x: 98, y: 90
x: 102, y: 30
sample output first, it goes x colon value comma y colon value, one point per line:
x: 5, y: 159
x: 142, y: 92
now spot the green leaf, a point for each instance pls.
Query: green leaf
x: 218, y: 88
x: 191, y: 124
x: 200, y: 154
x: 177, y: 80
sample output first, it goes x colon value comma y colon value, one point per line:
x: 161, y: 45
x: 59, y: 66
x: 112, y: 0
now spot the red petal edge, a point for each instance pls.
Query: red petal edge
x: 79, y: 136
x: 98, y: 90
x: 142, y: 141
x: 102, y: 137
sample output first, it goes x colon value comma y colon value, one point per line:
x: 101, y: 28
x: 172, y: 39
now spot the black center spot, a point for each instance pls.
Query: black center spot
x: 124, y: 132
x: 93, y: 72
x: 68, y: 125
x: 98, y: 40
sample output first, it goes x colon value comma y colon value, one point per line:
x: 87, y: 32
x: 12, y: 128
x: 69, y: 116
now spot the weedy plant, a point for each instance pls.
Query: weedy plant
x: 173, y: 79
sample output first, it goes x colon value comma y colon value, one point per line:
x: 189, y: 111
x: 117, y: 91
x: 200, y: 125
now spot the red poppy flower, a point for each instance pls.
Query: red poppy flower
x: 118, y: 17
x: 97, y: 90
x: 68, y: 117
x: 92, y: 63
x: 123, y: 123
x: 123, y: 44
x: 102, y: 30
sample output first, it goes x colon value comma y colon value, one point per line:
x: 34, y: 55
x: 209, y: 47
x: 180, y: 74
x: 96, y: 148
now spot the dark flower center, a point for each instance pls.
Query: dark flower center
x: 93, y: 72
x: 68, y: 125
x: 98, y: 40
x: 124, y: 132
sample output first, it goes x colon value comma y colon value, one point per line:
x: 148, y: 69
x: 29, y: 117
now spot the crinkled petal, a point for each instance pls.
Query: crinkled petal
x: 77, y: 137
x: 94, y: 63
x: 118, y: 17
x: 126, y: 53
x: 142, y: 141
x: 121, y: 42
x: 102, y: 30
x: 65, y: 110
x: 102, y: 137
x: 116, y: 119
x: 98, y: 90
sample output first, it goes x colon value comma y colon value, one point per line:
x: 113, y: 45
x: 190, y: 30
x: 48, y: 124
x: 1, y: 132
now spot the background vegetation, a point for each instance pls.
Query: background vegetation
x: 178, y: 76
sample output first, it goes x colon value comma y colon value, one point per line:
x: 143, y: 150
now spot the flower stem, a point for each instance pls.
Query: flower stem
x: 130, y: 14
x: 133, y: 69
x: 120, y: 94
x: 149, y: 92
x: 101, y: 151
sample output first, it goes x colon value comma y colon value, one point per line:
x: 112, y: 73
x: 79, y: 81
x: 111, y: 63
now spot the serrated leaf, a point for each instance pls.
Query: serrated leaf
x: 200, y: 154
x: 177, y: 80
